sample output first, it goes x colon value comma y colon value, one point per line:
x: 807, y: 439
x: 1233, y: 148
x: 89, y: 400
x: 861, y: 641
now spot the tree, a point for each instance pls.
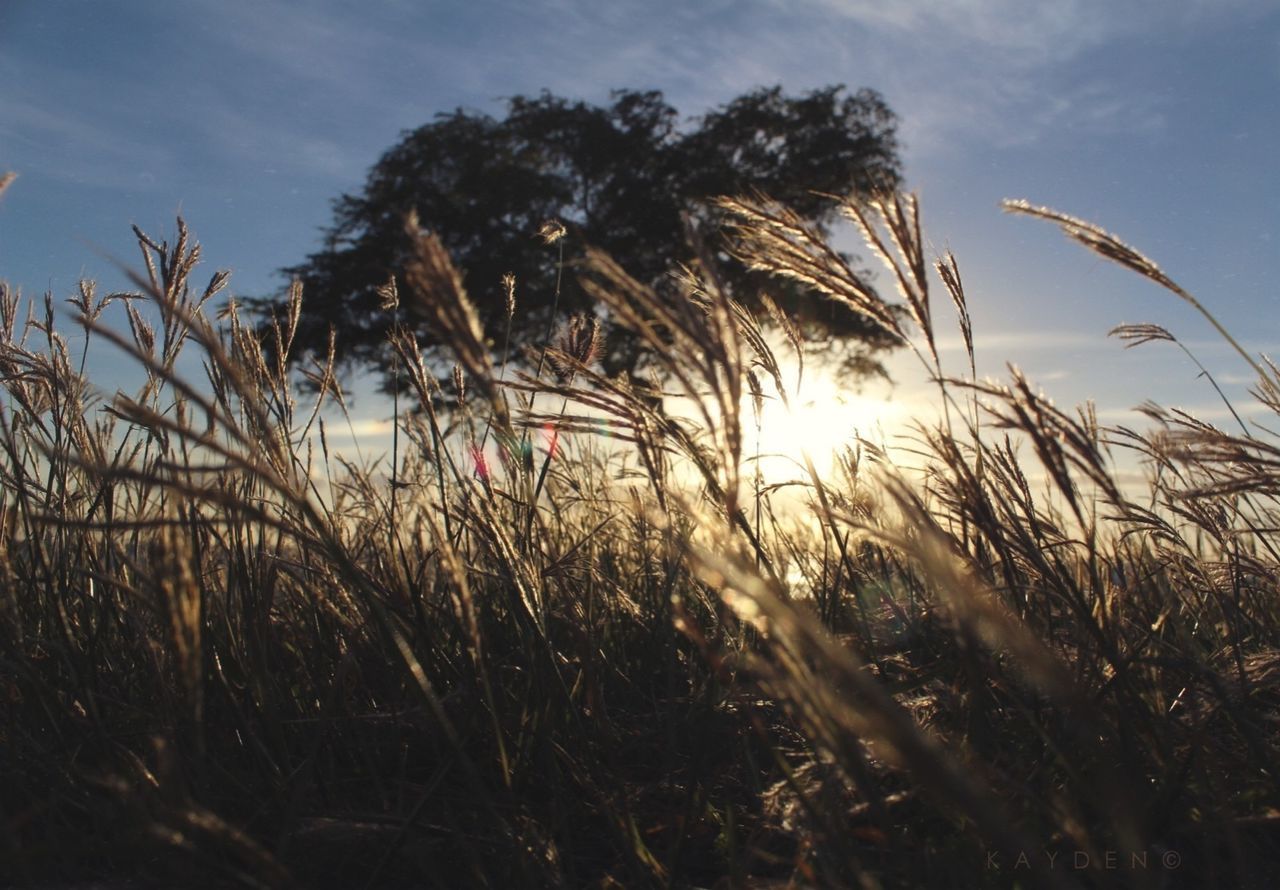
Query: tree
x: 623, y: 178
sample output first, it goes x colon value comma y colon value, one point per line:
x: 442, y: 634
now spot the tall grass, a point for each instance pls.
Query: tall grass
x: 229, y: 656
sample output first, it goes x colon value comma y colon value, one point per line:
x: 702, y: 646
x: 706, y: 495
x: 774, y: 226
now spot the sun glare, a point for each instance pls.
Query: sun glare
x: 821, y: 419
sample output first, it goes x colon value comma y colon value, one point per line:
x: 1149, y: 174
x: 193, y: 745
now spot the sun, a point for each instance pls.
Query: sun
x: 822, y: 418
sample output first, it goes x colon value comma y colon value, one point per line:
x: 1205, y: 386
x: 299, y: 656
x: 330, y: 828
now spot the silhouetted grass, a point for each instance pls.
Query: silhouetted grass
x: 528, y: 655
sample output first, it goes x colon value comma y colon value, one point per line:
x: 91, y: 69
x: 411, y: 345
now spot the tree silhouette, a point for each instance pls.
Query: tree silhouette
x: 625, y: 178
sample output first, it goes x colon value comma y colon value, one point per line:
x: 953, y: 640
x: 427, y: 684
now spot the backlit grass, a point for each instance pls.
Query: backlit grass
x: 531, y: 654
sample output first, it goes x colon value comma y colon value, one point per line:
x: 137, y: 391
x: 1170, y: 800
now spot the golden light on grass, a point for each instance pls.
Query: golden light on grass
x: 609, y: 627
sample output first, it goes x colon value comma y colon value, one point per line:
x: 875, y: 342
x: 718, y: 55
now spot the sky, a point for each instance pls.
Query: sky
x: 1158, y: 119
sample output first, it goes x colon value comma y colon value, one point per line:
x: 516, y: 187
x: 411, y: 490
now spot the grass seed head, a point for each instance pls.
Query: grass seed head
x: 551, y: 231
x: 509, y: 291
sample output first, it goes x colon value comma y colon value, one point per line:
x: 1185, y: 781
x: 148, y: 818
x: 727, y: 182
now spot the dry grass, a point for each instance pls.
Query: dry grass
x: 577, y: 667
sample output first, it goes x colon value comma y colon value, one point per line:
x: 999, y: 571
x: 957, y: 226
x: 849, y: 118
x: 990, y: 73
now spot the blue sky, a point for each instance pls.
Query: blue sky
x: 1158, y: 120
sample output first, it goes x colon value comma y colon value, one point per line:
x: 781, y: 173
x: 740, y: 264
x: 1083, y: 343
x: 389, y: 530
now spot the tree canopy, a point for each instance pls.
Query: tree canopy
x: 623, y: 178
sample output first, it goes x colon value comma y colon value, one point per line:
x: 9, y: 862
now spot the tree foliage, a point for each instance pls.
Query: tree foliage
x: 627, y: 178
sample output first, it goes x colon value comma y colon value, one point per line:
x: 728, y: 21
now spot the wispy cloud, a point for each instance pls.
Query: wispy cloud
x: 1026, y: 341
x: 1040, y: 32
x: 961, y: 69
x: 53, y: 142
x: 1002, y: 71
x: 370, y: 428
x: 1217, y: 414
x: 1032, y: 34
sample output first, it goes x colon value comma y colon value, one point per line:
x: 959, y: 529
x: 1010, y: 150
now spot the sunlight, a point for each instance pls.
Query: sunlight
x: 822, y: 419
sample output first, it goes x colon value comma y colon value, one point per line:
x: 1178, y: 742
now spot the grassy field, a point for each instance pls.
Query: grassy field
x: 516, y: 657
